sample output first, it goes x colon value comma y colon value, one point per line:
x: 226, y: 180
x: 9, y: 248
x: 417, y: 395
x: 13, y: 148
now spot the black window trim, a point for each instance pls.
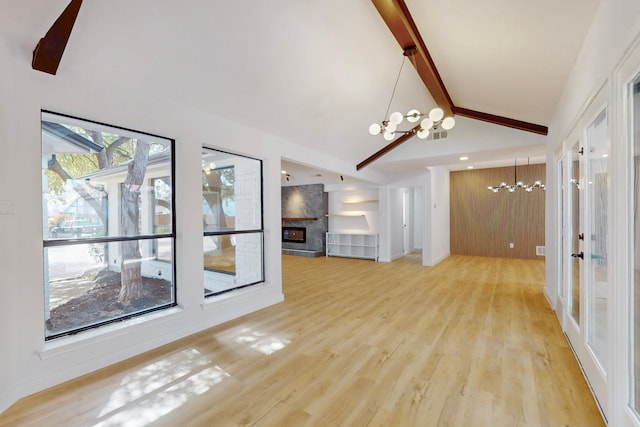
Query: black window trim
x: 248, y: 231
x: 68, y: 242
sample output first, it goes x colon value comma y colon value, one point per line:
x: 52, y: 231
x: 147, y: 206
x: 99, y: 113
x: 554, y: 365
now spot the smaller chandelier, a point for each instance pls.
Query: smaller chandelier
x: 389, y: 127
x: 517, y: 184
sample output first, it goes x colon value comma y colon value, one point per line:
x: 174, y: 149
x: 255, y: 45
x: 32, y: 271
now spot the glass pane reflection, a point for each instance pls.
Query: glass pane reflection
x: 232, y: 261
x: 83, y: 283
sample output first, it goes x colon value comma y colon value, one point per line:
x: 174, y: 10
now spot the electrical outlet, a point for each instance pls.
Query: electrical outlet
x: 510, y: 245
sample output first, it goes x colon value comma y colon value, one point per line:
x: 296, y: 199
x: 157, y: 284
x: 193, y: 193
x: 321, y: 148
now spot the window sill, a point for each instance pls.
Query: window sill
x: 90, y: 337
x: 214, y: 301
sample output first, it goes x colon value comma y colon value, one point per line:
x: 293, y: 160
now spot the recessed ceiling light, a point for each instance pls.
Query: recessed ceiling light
x: 464, y: 158
x: 469, y: 167
x: 283, y: 172
x: 605, y: 155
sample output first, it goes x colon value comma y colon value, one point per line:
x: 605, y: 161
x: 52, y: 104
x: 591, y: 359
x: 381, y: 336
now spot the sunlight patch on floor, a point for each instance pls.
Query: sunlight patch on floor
x: 159, y: 404
x: 261, y: 342
x: 155, y: 377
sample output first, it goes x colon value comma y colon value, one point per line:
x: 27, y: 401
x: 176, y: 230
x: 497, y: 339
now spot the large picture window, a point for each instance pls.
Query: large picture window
x: 108, y: 223
x: 232, y: 220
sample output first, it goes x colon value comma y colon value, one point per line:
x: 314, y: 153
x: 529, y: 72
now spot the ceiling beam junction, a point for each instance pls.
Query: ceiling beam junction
x: 397, y: 17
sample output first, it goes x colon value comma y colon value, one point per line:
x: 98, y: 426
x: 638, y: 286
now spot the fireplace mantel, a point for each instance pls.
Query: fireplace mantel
x: 298, y: 219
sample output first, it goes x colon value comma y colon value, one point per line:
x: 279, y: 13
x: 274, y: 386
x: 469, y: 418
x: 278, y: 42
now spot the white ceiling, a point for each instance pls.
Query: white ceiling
x: 319, y: 72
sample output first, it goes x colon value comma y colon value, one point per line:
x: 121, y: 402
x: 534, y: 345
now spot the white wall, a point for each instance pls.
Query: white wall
x: 27, y: 363
x: 359, y: 218
x: 9, y: 258
x: 437, y: 204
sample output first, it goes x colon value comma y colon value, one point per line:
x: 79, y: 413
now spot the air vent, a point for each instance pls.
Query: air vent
x: 438, y: 135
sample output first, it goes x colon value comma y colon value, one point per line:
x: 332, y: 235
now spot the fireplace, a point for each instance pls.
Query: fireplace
x: 294, y: 234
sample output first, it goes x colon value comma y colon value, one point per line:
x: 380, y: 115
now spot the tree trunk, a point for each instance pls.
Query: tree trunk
x: 131, y: 267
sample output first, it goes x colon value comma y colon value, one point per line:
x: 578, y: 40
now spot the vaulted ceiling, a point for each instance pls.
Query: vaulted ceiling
x: 319, y: 72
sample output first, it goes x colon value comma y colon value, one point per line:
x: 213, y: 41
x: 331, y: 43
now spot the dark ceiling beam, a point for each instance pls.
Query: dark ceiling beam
x: 503, y: 121
x: 397, y: 17
x: 49, y: 50
x: 388, y: 148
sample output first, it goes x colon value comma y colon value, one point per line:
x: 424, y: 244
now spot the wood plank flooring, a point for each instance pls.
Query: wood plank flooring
x: 469, y: 342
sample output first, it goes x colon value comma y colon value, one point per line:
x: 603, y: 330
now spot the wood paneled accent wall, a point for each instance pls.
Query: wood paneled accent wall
x: 483, y: 223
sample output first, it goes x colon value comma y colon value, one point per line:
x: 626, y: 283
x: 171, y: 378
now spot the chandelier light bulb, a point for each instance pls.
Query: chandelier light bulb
x: 423, y: 133
x: 388, y: 135
x: 413, y: 116
x: 396, y: 118
x: 426, y: 123
x: 448, y: 123
x: 436, y: 114
x: 391, y: 127
x: 375, y: 129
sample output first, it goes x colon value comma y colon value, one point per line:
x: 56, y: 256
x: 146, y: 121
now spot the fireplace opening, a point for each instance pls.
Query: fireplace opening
x: 294, y: 234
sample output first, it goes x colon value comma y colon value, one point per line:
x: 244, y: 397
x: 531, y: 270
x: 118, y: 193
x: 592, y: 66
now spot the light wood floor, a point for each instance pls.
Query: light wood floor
x: 470, y: 342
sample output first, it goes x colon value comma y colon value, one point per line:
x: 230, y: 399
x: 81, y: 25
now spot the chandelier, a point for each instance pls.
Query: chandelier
x: 389, y: 127
x: 517, y: 184
x: 207, y: 168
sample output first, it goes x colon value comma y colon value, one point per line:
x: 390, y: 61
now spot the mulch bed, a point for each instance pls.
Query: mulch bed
x: 100, y: 303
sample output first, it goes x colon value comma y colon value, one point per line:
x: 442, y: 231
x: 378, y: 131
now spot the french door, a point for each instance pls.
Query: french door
x: 585, y: 259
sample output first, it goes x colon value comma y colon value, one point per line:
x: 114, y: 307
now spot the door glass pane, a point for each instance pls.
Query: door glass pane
x: 574, y: 264
x: 598, y: 259
x: 636, y: 240
x: 563, y: 243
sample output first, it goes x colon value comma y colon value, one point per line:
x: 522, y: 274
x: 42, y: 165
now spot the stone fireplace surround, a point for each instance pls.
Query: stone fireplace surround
x: 305, y: 206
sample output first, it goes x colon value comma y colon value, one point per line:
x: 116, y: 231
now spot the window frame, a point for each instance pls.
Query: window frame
x: 48, y: 242
x: 228, y: 232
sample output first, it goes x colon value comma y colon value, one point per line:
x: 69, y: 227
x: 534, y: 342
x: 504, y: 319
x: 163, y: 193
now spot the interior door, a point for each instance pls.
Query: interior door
x: 406, y: 237
x: 586, y: 253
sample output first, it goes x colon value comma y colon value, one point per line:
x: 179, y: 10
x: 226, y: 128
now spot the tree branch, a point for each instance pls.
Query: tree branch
x: 111, y: 149
x: 80, y: 189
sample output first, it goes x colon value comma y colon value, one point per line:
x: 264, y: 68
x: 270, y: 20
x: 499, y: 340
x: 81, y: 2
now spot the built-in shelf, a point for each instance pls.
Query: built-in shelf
x: 298, y: 219
x: 352, y: 215
x: 355, y: 202
x: 352, y: 245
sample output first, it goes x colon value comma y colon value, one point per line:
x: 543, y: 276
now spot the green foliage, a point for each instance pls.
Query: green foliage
x: 228, y: 179
x: 75, y: 165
